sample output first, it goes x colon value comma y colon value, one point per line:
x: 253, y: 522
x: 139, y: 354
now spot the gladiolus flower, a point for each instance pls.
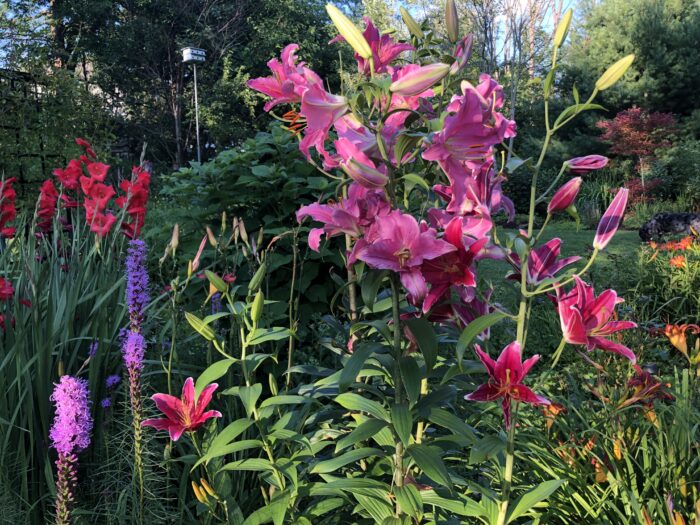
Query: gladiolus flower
x: 185, y: 414
x: 359, y: 167
x: 582, y: 165
x: 69, y: 176
x: 586, y: 319
x: 101, y: 223
x: 611, y: 220
x: 48, y: 197
x: 86, y: 146
x: 97, y: 171
x: 505, y: 379
x: 6, y: 290
x: 8, y: 212
x: 565, y: 196
x: 420, y: 79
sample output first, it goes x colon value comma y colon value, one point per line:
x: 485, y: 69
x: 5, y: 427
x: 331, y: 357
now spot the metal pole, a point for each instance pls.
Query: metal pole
x: 196, y: 114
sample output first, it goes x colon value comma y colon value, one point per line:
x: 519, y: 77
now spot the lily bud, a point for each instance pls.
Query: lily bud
x: 411, y: 24
x: 242, y: 231
x: 587, y: 163
x: 260, y: 236
x: 223, y: 222
x: 451, y: 21
x: 199, y: 494
x: 565, y: 196
x: 419, y: 80
x: 463, y: 50
x: 175, y: 239
x: 257, y: 279
x: 562, y: 28
x: 349, y: 31
x: 614, y: 73
x: 207, y: 487
x: 190, y: 269
x: 256, y: 308
x: 211, y: 237
x: 611, y: 220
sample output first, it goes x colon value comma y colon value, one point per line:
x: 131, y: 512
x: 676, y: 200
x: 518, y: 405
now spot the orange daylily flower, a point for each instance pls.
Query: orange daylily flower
x: 677, y: 262
x: 677, y: 335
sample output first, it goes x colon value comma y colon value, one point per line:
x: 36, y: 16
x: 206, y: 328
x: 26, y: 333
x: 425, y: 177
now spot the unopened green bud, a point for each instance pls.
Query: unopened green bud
x: 452, y: 21
x: 256, y: 308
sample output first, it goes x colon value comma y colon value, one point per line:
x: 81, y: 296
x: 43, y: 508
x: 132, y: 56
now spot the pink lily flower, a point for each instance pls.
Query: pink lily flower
x: 611, y: 220
x: 505, y: 380
x: 463, y: 50
x: 453, y: 268
x: 321, y: 109
x: 565, y: 196
x: 185, y: 414
x: 384, y: 49
x: 588, y: 163
x: 350, y: 128
x: 586, y: 319
x: 351, y: 216
x: 359, y: 167
x: 473, y: 127
x: 542, y: 262
x: 397, y: 242
x: 289, y: 80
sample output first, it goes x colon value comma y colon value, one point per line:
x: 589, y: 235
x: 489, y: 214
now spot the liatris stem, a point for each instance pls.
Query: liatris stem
x: 66, y: 478
x: 133, y: 351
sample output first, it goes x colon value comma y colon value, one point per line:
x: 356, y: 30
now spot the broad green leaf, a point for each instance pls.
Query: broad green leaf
x: 262, y: 335
x: 249, y: 396
x: 408, y: 497
x: 352, y: 456
x: 371, y: 282
x: 429, y: 461
x: 251, y: 464
x: 212, y: 373
x: 461, y: 505
x: 356, y: 402
x: 424, y: 333
x: 274, y: 512
x: 286, y: 400
x: 416, y: 180
x: 410, y: 373
x: 476, y: 327
x: 531, y: 498
x: 362, y: 432
x: 448, y: 420
x: 403, y: 422
x: 354, y: 364
x: 486, y: 448
x: 231, y: 448
x: 574, y: 110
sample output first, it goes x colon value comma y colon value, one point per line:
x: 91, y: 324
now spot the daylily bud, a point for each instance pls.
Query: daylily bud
x: 195, y: 263
x: 256, y: 308
x: 190, y: 270
x: 207, y: 487
x: 614, y: 73
x: 451, y: 21
x: 419, y: 80
x: 565, y: 196
x: 562, y: 28
x: 463, y: 50
x: 199, y: 494
x: 411, y: 24
x: 223, y: 222
x: 611, y: 220
x: 349, y: 31
x: 588, y: 163
x: 175, y: 239
x: 211, y: 237
x: 242, y: 231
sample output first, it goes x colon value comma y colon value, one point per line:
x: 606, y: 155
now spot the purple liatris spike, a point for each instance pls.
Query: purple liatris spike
x: 112, y: 381
x: 133, y: 350
x: 69, y: 434
x: 215, y: 303
x: 92, y: 352
x: 136, y: 282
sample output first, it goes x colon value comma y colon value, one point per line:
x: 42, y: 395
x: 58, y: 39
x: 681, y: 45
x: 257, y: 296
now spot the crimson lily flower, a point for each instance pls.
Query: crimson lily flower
x: 611, y: 220
x: 586, y: 319
x: 185, y: 414
x: 543, y: 262
x: 587, y: 163
x: 505, y: 379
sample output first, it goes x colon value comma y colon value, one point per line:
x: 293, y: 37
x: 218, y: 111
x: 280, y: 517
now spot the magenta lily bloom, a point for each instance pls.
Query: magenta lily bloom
x: 588, y: 163
x: 352, y: 215
x: 320, y: 109
x: 289, y: 80
x: 185, y: 414
x: 586, y: 319
x: 397, y: 242
x: 544, y: 262
x: 565, y: 196
x: 359, y: 167
x: 505, y: 380
x: 384, y: 49
x: 463, y: 50
x: 611, y: 220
